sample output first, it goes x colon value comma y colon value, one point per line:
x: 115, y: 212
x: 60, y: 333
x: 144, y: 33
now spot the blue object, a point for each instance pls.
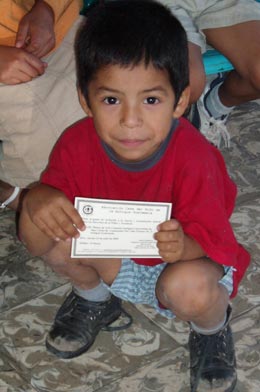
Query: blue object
x: 215, y: 62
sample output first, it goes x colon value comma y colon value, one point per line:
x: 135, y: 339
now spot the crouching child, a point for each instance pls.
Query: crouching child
x: 134, y: 144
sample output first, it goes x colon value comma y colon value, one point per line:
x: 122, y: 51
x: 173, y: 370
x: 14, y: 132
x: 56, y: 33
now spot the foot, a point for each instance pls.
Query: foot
x: 212, y: 361
x: 77, y: 323
x: 213, y: 129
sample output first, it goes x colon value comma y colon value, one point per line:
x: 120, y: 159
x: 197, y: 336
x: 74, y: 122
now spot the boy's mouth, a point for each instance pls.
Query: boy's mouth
x: 131, y: 143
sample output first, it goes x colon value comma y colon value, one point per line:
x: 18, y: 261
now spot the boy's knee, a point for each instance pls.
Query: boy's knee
x: 187, y: 294
x: 57, y: 258
x: 58, y: 265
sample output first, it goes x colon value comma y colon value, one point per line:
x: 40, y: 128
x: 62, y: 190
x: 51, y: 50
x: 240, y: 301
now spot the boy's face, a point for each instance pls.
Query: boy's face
x: 132, y: 109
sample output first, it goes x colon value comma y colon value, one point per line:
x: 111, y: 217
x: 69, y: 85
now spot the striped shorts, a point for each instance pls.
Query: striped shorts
x: 136, y: 283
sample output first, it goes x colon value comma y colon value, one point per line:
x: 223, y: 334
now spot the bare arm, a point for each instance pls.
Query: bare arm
x: 47, y: 217
x: 174, y: 245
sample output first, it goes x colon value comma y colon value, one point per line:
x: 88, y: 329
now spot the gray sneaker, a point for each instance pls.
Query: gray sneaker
x: 214, y: 130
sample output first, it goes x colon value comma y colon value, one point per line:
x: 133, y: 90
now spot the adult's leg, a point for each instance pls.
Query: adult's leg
x: 197, y: 73
x: 196, y: 45
x: 240, y: 43
x: 32, y: 117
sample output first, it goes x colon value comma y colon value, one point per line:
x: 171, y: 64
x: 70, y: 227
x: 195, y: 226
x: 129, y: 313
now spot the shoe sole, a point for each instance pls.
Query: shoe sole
x: 230, y: 389
x: 82, y: 350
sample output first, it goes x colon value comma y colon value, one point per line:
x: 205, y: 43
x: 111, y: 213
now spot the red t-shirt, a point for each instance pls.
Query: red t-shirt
x: 191, y: 174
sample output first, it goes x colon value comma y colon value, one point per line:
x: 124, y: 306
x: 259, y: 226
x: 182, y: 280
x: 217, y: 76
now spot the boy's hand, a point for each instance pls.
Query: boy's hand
x: 51, y: 211
x: 18, y: 66
x: 170, y: 241
x: 36, y: 30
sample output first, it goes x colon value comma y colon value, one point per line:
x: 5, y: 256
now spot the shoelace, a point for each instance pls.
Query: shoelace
x: 79, y: 307
x: 217, y: 131
x: 127, y: 324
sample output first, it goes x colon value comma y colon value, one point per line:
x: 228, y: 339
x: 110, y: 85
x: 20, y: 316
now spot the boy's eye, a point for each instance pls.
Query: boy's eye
x: 151, y: 100
x: 111, y: 100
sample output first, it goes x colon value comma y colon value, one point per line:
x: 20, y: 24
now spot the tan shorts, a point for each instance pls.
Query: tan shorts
x: 34, y: 114
x: 197, y: 15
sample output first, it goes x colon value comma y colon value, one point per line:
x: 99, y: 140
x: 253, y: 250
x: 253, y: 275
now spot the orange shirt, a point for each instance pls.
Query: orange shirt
x: 11, y: 12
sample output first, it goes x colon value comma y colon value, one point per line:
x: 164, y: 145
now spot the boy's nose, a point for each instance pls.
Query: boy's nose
x: 131, y: 117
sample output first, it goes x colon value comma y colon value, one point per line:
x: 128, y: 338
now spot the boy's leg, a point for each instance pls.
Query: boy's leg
x: 195, y: 292
x: 88, y: 308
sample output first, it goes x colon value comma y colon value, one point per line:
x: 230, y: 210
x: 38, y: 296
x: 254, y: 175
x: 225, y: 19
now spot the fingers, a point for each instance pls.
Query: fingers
x: 18, y: 66
x: 40, y: 46
x: 22, y: 36
x: 171, y: 224
x: 36, y: 65
x: 168, y: 231
x: 170, y: 241
x: 35, y: 39
x: 24, y: 69
x: 28, y: 69
x: 36, y: 33
x: 60, y: 223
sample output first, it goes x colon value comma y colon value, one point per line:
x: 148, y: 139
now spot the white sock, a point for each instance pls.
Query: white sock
x: 100, y: 293
x: 209, y: 331
x: 214, y: 106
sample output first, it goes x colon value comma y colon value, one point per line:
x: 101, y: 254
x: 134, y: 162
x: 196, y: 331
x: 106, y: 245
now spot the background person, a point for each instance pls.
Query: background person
x: 38, y: 97
x: 233, y: 28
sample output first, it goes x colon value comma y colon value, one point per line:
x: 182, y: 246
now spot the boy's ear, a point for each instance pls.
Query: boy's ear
x: 84, y: 104
x: 182, y: 103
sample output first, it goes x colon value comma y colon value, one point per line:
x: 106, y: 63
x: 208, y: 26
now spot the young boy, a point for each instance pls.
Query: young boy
x: 132, y: 64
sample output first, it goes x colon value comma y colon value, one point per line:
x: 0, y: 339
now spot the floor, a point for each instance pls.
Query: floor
x: 152, y: 355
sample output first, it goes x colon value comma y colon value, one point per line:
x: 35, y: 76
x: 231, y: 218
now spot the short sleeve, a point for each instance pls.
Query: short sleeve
x: 204, y: 198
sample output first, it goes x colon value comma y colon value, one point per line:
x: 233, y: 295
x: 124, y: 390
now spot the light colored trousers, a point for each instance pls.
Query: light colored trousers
x: 197, y: 15
x: 34, y: 114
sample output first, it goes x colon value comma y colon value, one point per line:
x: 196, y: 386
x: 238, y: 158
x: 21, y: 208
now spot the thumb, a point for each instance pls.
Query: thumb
x: 22, y: 36
x: 169, y: 225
